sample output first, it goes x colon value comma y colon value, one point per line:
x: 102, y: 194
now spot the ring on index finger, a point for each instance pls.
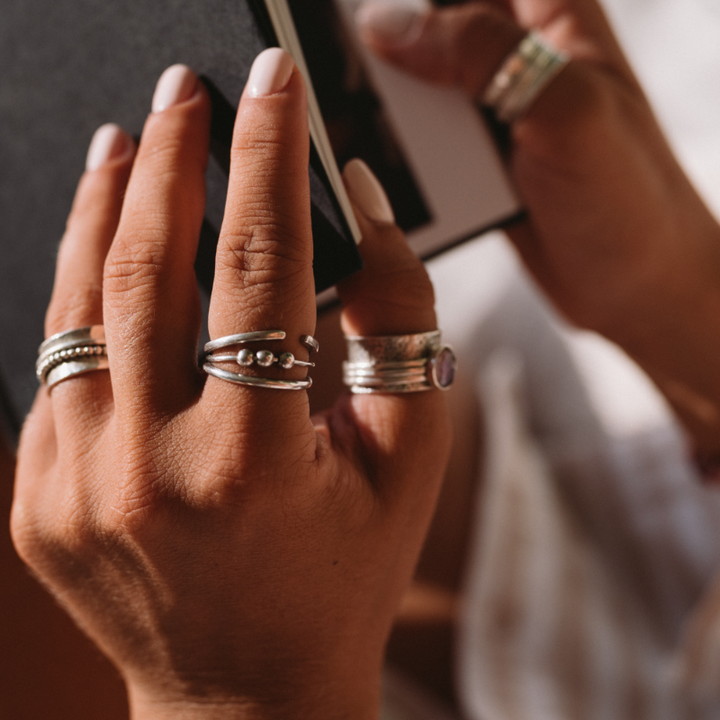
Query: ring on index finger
x: 522, y: 77
x: 70, y: 353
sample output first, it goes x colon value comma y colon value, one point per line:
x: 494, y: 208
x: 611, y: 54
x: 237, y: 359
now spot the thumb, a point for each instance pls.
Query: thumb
x: 464, y: 45
x: 460, y: 45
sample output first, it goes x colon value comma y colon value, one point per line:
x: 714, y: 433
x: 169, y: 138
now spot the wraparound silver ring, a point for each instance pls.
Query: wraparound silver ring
x: 262, y: 358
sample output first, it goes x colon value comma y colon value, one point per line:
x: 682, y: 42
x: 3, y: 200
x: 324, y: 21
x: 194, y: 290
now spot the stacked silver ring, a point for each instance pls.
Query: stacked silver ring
x: 70, y: 353
x: 398, y: 363
x: 522, y: 76
x: 262, y: 358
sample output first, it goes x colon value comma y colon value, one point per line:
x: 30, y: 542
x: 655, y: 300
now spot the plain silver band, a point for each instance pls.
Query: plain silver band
x: 240, y: 338
x: 238, y: 379
x: 522, y: 76
x: 94, y: 334
x: 76, y: 366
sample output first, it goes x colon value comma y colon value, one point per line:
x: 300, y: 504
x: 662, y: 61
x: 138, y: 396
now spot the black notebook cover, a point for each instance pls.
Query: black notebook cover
x: 70, y: 66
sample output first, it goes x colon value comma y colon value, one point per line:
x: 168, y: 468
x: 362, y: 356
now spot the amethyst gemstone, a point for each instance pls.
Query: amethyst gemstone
x: 444, y: 367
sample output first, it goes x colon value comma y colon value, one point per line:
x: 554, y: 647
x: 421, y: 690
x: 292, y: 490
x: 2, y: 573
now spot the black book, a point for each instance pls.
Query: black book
x: 70, y: 66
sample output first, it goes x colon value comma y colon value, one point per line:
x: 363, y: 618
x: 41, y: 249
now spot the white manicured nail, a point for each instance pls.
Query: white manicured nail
x: 177, y: 84
x: 394, y: 22
x: 270, y: 72
x: 367, y: 193
x: 108, y: 143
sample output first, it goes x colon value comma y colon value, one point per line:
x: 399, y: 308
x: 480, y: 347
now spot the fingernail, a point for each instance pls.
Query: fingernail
x: 177, y: 84
x: 394, y: 22
x: 270, y: 72
x: 108, y: 143
x: 367, y: 193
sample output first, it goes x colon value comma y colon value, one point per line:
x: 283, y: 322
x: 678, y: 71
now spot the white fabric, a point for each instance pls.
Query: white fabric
x: 595, y: 542
x: 592, y: 590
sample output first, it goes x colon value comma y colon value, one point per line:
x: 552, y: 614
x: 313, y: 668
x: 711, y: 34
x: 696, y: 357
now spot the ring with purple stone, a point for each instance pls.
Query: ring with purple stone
x: 398, y: 363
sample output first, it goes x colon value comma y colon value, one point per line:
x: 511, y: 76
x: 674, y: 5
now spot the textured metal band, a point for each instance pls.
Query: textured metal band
x: 71, y: 368
x: 379, y: 349
x: 398, y: 363
x: 522, y: 76
x: 253, y: 381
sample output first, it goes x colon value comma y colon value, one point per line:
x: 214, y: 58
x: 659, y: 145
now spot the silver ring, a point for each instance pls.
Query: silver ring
x: 228, y: 340
x: 398, y: 363
x: 72, y: 368
x: 70, y: 353
x: 522, y: 76
x: 239, y: 379
x: 262, y: 358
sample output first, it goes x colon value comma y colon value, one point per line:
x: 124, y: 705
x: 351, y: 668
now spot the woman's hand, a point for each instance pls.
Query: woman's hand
x: 232, y: 556
x: 614, y: 234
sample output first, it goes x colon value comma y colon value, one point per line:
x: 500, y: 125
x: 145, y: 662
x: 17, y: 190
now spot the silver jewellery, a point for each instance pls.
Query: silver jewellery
x: 523, y: 75
x: 263, y: 358
x: 70, y: 353
x: 398, y: 363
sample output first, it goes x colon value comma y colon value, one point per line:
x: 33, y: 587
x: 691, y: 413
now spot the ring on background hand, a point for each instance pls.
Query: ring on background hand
x: 71, y: 353
x: 522, y: 77
x: 263, y: 358
x: 398, y: 363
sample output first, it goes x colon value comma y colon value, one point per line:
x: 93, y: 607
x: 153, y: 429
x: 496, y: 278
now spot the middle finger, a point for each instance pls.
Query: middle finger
x: 263, y: 278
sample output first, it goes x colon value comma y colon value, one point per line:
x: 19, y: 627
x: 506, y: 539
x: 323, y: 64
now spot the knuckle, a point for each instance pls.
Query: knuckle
x: 267, y: 139
x: 133, y: 263
x: 268, y: 251
x: 480, y: 33
x: 160, y: 155
x: 573, y: 116
x: 73, y: 307
x: 48, y: 542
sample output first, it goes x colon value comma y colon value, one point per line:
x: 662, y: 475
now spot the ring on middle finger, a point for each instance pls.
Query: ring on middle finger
x: 217, y: 352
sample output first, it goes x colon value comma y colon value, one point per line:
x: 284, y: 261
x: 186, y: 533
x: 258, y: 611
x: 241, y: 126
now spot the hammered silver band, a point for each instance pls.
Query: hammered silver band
x: 262, y: 358
x: 70, y: 353
x: 398, y: 363
x: 522, y: 77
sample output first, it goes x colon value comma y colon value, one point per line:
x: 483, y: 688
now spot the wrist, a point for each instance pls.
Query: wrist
x: 195, y: 709
x: 672, y: 330
x: 329, y: 700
